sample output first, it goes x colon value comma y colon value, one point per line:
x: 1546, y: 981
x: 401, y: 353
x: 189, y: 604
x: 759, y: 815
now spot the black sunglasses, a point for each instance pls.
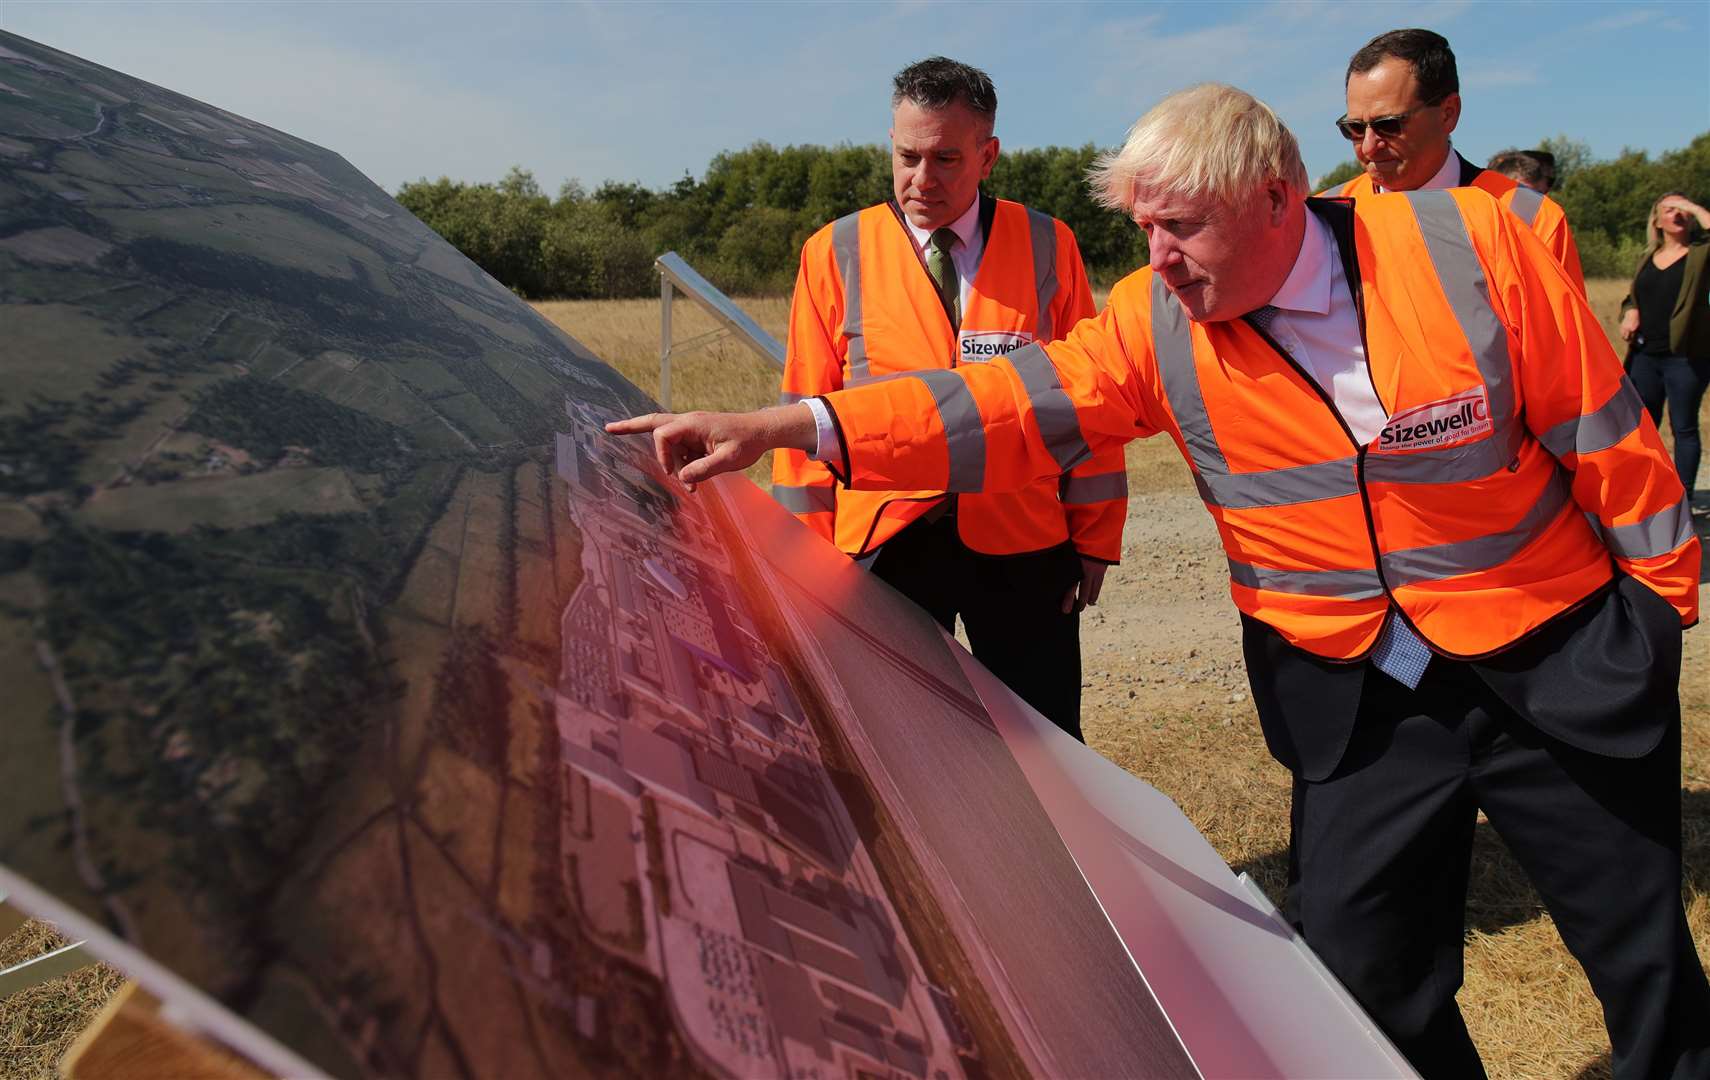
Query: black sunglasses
x: 1387, y: 127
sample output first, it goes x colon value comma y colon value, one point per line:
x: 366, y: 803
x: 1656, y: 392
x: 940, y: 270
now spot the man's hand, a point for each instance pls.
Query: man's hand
x: 698, y: 446
x: 1084, y: 593
x: 1629, y: 323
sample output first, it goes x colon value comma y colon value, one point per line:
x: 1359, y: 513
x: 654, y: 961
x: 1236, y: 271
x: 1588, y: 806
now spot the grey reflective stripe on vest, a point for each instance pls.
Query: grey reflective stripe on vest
x: 1462, y: 279
x: 1658, y: 534
x: 1052, y: 409
x: 846, y: 247
x: 1452, y: 464
x: 1525, y: 203
x: 1282, y: 487
x: 810, y: 499
x: 1599, y: 430
x: 1410, y: 566
x: 964, y: 435
x: 1172, y: 343
x: 1342, y: 584
x: 1080, y: 490
x: 1044, y: 231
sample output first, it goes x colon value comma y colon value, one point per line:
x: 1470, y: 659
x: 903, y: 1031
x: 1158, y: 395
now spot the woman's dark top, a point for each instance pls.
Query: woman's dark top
x: 1655, y: 292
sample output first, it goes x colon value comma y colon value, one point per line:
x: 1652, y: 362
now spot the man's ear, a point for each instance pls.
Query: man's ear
x: 1451, y: 112
x: 1277, y: 199
x: 988, y: 156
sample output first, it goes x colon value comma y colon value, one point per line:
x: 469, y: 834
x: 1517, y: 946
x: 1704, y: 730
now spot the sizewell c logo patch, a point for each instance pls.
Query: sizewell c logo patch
x: 1441, y: 423
x: 979, y: 346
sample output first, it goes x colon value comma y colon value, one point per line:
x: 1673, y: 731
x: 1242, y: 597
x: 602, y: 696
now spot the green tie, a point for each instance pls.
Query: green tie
x: 943, y: 273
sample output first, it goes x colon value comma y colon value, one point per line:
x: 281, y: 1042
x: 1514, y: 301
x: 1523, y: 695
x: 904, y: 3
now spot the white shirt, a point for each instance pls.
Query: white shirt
x: 965, y: 253
x: 1318, y: 326
x: 1447, y: 177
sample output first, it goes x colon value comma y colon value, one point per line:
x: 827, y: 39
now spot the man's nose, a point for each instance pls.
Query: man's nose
x: 1369, y: 141
x: 1161, y: 252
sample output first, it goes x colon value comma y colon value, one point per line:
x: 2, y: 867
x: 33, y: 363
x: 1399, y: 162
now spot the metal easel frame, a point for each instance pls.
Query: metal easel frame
x: 675, y: 275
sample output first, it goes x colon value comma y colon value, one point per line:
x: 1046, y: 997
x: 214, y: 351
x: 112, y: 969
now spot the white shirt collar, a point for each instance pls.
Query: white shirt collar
x: 964, y: 227
x: 1307, y: 287
x: 1447, y: 177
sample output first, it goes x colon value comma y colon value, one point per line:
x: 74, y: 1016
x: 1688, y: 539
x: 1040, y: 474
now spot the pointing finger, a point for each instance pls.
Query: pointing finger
x: 635, y: 424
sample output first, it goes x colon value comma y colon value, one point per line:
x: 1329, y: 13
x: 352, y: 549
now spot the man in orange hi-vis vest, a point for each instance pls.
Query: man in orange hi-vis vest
x: 939, y: 278
x: 1462, y: 558
x: 1403, y: 101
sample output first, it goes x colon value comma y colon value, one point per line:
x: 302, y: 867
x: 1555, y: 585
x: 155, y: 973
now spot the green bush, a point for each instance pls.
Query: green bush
x: 743, y: 222
x: 765, y: 238
x: 586, y: 254
x: 1338, y: 176
x: 1602, y: 257
x: 1609, y: 202
x: 499, y: 227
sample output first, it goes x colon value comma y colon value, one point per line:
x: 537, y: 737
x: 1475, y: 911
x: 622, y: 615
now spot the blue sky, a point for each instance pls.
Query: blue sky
x: 645, y: 91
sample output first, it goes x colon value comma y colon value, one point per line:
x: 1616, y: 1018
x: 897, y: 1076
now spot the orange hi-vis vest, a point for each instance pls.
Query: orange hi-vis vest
x: 1517, y: 471
x: 1543, y: 214
x: 865, y: 309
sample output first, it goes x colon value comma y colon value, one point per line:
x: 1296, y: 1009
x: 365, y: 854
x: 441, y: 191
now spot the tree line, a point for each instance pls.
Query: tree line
x: 743, y: 222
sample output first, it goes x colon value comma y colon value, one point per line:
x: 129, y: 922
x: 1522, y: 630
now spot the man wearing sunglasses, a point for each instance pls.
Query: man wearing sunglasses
x: 1403, y: 101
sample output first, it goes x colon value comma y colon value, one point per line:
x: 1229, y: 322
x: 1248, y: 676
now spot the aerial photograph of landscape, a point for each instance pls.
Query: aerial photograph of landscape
x: 356, y: 675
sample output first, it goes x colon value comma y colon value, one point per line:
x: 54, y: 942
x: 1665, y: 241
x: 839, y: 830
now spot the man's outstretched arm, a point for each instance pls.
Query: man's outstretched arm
x: 990, y: 427
x: 698, y: 446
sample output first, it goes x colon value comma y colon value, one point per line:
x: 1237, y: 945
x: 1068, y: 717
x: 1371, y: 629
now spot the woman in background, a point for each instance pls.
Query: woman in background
x: 1666, y: 320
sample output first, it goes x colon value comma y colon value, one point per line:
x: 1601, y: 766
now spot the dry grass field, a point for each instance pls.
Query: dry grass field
x: 1165, y: 697
x: 38, y: 1025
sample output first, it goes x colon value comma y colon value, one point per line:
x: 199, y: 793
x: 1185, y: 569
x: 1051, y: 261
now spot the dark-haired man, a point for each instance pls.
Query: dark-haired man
x: 1535, y: 169
x: 1403, y: 102
x: 943, y: 276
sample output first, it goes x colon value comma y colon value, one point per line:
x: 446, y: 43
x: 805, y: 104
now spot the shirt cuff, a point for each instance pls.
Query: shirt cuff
x: 827, y: 448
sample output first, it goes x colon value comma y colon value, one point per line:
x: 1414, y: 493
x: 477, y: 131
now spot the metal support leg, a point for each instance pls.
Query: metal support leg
x: 665, y: 341
x: 675, y: 274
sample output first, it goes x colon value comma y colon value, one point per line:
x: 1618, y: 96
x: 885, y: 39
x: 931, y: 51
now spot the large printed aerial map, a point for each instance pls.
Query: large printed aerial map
x: 353, y: 673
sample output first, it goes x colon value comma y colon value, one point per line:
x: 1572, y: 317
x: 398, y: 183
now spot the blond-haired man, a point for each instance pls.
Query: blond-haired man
x: 1401, y: 414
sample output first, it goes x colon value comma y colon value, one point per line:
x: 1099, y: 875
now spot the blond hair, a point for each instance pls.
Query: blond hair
x: 1209, y: 139
x: 1653, y: 231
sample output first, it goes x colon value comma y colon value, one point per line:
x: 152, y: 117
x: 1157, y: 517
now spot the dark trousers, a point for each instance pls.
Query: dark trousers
x: 1381, y: 851
x: 1011, y: 606
x: 1680, y: 382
